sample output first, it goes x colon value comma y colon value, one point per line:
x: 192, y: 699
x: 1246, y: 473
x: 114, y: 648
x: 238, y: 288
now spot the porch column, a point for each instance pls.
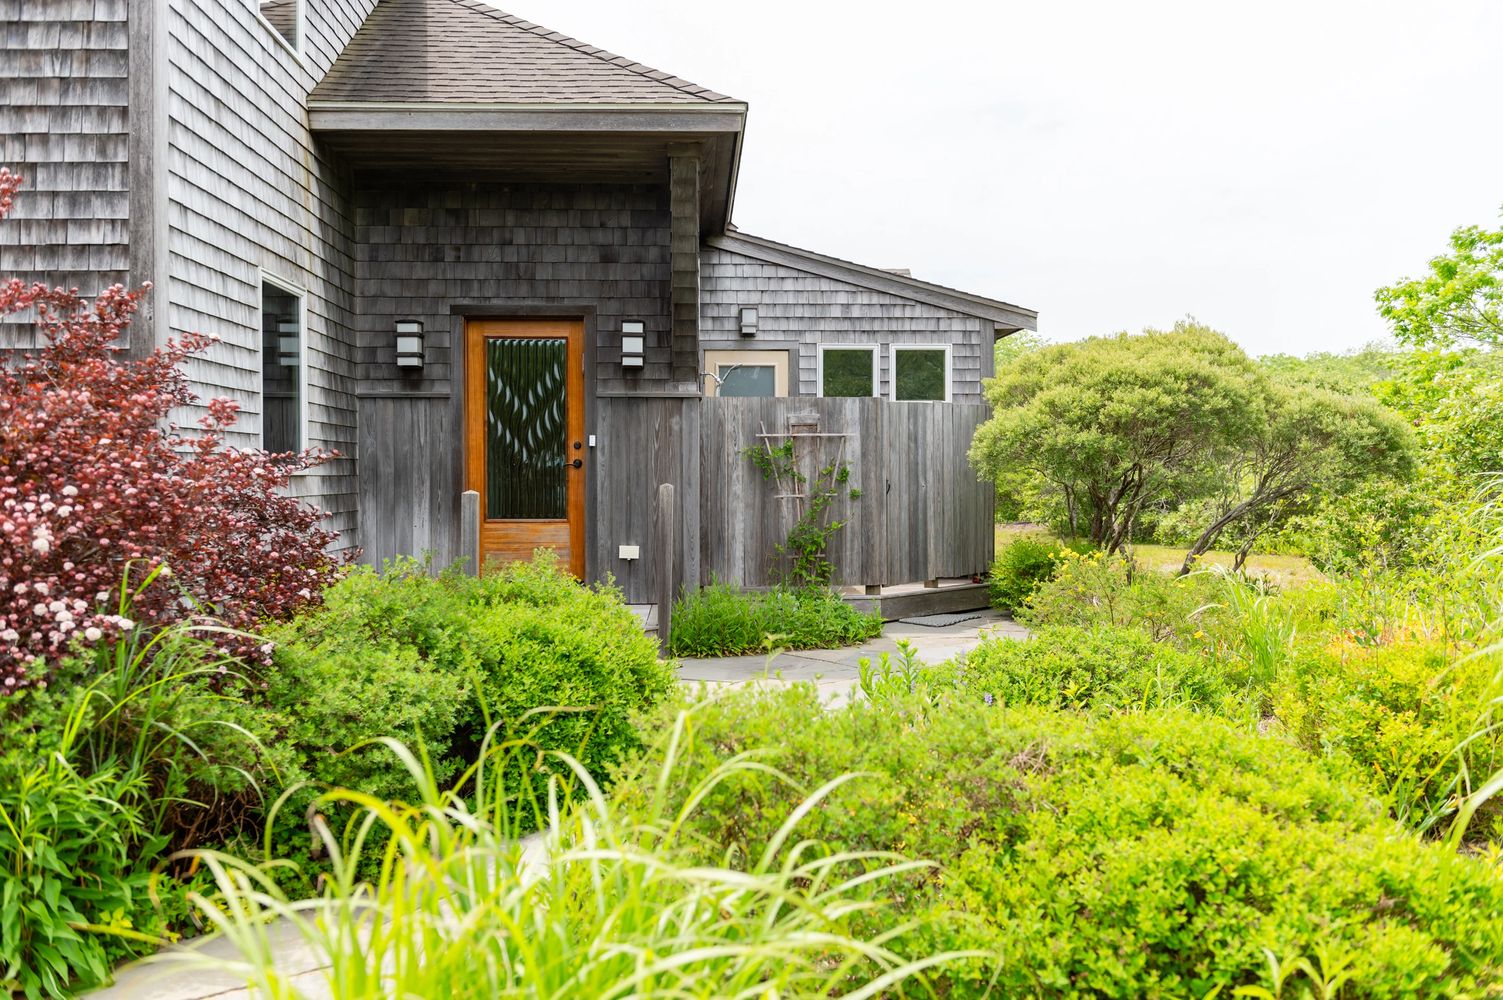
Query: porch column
x: 683, y: 199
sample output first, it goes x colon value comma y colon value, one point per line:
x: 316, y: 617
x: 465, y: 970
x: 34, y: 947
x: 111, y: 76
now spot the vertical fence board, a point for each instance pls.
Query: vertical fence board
x: 922, y: 513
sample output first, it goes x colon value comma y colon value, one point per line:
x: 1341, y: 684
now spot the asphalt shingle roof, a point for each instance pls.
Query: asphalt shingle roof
x: 465, y: 51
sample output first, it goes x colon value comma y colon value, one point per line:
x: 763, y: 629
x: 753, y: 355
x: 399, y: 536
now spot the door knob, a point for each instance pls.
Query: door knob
x: 578, y: 463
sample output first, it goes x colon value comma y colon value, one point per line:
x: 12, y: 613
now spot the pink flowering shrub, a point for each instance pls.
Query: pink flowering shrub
x: 93, y: 478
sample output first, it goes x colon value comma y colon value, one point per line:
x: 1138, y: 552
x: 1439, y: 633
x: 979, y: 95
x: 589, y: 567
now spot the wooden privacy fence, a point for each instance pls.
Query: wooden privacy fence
x: 921, y: 515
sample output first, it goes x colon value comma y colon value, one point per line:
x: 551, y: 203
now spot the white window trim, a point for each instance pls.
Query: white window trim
x: 302, y: 354
x: 819, y: 368
x: 777, y: 360
x: 297, y: 45
x: 892, y: 377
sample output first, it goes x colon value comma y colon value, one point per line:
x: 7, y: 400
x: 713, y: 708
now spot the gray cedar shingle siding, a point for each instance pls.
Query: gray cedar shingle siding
x: 64, y: 126
x: 467, y: 51
x: 425, y: 248
x: 808, y: 309
x: 249, y: 191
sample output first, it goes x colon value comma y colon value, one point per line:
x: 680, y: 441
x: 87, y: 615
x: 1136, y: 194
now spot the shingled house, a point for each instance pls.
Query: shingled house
x: 470, y: 253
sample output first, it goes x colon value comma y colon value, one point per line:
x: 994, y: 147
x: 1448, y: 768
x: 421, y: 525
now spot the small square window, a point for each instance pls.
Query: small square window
x: 920, y: 373
x: 282, y: 375
x: 847, y: 371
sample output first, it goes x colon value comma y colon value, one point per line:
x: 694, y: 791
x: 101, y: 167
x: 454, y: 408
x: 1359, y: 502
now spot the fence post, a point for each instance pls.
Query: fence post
x: 667, y: 533
x: 469, y: 531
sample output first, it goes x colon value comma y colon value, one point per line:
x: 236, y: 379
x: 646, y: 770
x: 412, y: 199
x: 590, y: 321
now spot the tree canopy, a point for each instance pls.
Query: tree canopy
x: 1310, y: 442
x: 1458, y: 301
x: 1112, y: 428
x: 1111, y: 425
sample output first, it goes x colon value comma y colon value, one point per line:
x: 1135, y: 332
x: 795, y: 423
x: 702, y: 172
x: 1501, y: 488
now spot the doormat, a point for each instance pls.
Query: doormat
x: 941, y: 621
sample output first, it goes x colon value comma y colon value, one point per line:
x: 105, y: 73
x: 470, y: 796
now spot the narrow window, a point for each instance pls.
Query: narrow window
x: 746, y: 373
x: 281, y: 369
x: 284, y: 17
x: 920, y: 373
x: 847, y: 371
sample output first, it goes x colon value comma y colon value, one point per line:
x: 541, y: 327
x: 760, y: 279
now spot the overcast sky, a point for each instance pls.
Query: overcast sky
x: 1261, y: 166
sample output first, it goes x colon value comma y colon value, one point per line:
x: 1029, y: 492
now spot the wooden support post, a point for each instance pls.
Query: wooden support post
x: 931, y: 584
x: 469, y: 531
x: 667, y: 534
x: 873, y: 590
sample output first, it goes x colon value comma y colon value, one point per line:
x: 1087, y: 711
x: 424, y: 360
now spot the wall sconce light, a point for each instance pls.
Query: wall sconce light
x: 287, y: 350
x: 748, y: 321
x: 632, y: 340
x: 409, y: 343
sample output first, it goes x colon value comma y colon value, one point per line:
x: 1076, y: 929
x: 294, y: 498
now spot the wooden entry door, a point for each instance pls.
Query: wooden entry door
x: 524, y: 437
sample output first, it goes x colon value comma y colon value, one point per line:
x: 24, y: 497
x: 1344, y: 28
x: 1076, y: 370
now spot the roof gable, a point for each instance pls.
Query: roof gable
x: 467, y: 52
x: 1005, y: 315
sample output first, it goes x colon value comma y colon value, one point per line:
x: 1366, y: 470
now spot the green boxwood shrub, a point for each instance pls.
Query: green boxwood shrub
x: 1134, y: 854
x: 1066, y: 666
x: 1022, y: 566
x: 721, y: 620
x: 437, y: 660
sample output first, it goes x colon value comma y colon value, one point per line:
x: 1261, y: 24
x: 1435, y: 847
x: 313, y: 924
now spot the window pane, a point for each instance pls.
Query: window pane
x: 526, y: 429
x: 281, y: 379
x: 282, y: 15
x: 919, y: 374
x: 848, y: 373
x: 748, y: 380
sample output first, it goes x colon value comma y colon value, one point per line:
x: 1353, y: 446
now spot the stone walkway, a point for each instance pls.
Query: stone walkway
x: 834, y: 671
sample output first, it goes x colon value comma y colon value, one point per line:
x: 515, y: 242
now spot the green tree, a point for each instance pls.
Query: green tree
x: 1017, y: 492
x: 1353, y: 373
x: 1113, y: 426
x: 1454, y: 399
x: 1459, y: 300
x: 1310, y: 443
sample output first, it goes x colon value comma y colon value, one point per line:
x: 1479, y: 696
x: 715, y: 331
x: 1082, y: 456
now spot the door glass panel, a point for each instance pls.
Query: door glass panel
x: 748, y: 380
x: 526, y: 432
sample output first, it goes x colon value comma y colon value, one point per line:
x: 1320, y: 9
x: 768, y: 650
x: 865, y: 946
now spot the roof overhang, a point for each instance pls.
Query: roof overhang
x: 584, y: 143
x: 1005, y: 317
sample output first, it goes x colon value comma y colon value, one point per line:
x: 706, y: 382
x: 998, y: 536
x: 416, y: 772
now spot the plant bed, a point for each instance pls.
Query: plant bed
x: 721, y: 620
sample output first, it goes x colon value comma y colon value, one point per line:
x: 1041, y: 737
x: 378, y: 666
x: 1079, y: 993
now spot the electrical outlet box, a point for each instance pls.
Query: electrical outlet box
x: 629, y: 552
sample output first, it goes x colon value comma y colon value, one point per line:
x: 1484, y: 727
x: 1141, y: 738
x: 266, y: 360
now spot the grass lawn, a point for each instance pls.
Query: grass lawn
x: 1284, y: 571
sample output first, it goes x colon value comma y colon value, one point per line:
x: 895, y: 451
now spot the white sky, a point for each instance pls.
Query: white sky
x: 1262, y: 166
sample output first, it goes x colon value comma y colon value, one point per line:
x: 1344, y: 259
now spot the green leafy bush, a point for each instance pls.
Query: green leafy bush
x: 1415, y: 717
x: 1095, y: 589
x: 1022, y: 566
x: 1102, y: 667
x: 70, y: 881
x: 435, y: 660
x: 721, y: 620
x: 126, y: 751
x: 1154, y: 853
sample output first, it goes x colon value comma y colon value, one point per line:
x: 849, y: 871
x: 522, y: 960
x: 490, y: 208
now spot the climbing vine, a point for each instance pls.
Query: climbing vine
x: 807, y: 546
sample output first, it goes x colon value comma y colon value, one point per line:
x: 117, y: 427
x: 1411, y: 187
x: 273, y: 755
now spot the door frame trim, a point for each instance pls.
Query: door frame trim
x: 461, y: 315
x: 586, y: 312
